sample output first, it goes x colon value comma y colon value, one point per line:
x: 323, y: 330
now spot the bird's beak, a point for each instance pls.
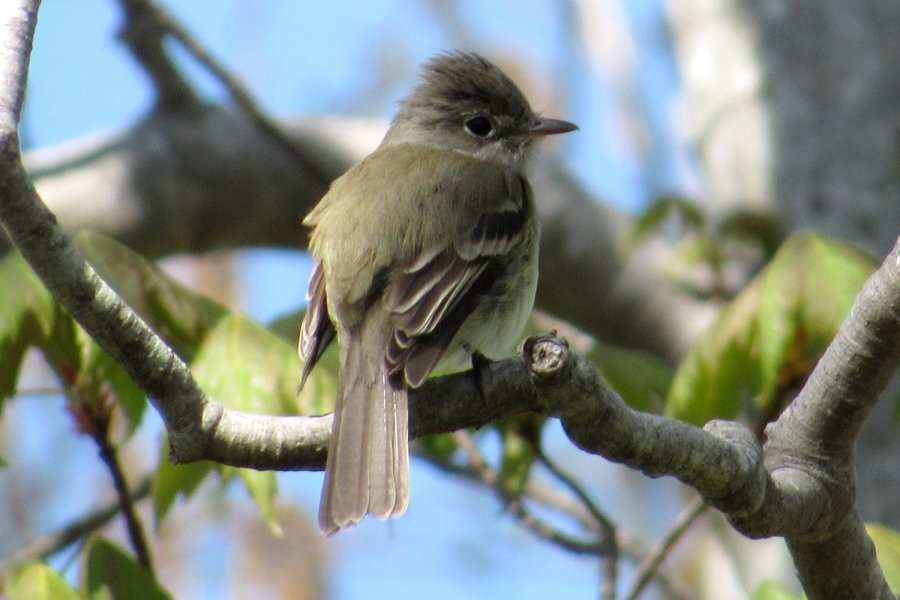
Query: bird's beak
x: 542, y: 126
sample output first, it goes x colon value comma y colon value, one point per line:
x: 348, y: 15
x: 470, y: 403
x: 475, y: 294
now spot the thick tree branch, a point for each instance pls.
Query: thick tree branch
x: 16, y: 37
x: 33, y: 228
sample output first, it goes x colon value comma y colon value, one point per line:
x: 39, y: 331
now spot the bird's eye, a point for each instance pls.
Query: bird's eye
x: 479, y: 127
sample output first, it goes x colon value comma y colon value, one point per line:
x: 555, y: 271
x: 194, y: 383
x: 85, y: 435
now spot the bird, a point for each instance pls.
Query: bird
x: 425, y: 255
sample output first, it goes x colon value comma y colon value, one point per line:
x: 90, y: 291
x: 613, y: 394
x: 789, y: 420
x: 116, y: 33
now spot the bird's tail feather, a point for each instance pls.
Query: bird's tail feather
x: 367, y: 470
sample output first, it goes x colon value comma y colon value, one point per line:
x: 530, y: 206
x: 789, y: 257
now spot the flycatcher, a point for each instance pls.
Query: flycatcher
x: 425, y: 253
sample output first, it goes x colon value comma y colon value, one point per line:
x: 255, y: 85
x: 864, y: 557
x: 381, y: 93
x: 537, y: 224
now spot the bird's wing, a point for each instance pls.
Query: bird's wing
x: 430, y: 297
x: 317, y: 330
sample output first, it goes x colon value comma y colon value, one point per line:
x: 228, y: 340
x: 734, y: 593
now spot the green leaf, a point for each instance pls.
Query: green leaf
x: 774, y: 591
x: 521, y: 437
x: 887, y: 546
x: 172, y: 480
x: 181, y: 317
x: 767, y: 341
x: 653, y: 218
x: 100, y: 374
x: 28, y: 317
x: 641, y: 379
x: 439, y: 445
x: 248, y: 368
x: 760, y: 227
x: 719, y: 372
x: 110, y: 573
x: 807, y: 293
x: 37, y: 581
x: 318, y: 394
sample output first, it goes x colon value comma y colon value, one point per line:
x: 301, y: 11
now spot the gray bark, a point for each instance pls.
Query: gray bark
x: 795, y: 108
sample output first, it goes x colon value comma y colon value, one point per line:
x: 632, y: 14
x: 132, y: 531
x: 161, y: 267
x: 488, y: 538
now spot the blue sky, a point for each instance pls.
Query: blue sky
x: 319, y: 57
x: 316, y: 58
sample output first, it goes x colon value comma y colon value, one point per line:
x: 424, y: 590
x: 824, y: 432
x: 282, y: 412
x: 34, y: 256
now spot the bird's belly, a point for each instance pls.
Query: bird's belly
x: 496, y: 323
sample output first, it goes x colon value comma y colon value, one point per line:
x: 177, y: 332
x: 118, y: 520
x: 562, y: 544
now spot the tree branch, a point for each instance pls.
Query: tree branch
x: 608, y: 533
x: 649, y: 566
x: 477, y: 468
x: 803, y: 490
x: 17, y: 24
x: 89, y: 300
x: 93, y: 416
x: 146, y: 23
x: 46, y: 545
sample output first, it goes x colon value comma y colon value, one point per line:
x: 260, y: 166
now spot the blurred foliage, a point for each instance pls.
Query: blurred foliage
x: 180, y: 316
x: 761, y: 349
x: 110, y: 573
x: 29, y: 317
x: 774, y: 591
x: 887, y: 546
x: 36, y: 581
x: 641, y: 379
x: 725, y: 247
x: 521, y: 436
x: 766, y: 342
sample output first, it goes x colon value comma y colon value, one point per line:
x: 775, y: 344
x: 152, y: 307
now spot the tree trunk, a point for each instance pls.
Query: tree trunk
x: 795, y: 108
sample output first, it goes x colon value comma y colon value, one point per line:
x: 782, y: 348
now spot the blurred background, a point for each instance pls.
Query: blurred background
x: 610, y: 66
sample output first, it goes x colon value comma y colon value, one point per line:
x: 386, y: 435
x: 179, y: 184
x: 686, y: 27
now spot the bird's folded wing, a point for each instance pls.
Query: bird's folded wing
x: 430, y: 297
x: 317, y: 330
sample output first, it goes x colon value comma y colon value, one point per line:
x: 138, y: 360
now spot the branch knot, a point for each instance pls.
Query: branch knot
x: 545, y: 355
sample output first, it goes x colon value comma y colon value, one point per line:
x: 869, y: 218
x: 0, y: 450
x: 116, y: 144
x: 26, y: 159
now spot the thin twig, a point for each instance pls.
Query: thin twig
x: 238, y: 92
x: 552, y: 498
x: 576, y: 488
x: 543, y: 494
x: 144, y: 37
x: 609, y: 558
x: 110, y: 457
x: 478, y: 467
x: 53, y: 542
x: 92, y: 411
x: 649, y: 566
x: 133, y: 522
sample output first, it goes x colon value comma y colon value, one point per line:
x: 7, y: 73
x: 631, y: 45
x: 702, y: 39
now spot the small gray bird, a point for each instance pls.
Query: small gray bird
x: 425, y: 253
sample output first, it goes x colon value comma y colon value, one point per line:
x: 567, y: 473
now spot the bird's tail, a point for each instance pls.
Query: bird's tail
x: 367, y: 471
